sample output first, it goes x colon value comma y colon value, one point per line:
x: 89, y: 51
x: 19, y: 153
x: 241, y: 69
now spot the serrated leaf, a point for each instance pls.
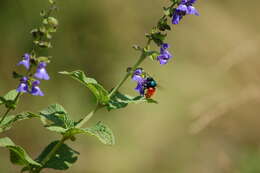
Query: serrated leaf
x: 8, y: 122
x: 101, y: 131
x: 63, y: 159
x: 120, y: 100
x: 18, y: 155
x: 56, y: 118
x: 98, y: 90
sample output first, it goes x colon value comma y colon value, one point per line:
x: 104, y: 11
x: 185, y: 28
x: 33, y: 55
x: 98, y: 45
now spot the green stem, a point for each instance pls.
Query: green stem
x: 6, y: 113
x: 89, y: 116
x: 130, y: 72
x: 64, y: 138
x: 53, y: 151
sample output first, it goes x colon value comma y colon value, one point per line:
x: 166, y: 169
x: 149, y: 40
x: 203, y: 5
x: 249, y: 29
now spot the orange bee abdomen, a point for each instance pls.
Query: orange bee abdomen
x: 150, y: 92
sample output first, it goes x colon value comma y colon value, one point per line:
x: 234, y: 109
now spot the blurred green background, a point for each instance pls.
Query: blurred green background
x: 208, y: 117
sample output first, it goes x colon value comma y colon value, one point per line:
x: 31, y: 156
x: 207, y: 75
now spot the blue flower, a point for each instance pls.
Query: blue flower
x: 138, y: 76
x: 36, y: 91
x: 23, y: 86
x: 26, y: 61
x: 184, y: 8
x: 165, y: 55
x: 141, y: 86
x: 41, y: 72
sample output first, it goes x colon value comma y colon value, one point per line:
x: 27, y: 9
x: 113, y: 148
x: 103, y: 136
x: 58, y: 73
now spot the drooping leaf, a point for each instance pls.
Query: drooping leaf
x: 8, y: 122
x: 120, y: 100
x: 56, y: 118
x: 62, y: 160
x: 18, y: 155
x: 98, y: 90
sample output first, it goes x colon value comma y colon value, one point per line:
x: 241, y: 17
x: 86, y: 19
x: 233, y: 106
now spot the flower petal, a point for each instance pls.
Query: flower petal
x: 192, y: 10
x: 182, y: 8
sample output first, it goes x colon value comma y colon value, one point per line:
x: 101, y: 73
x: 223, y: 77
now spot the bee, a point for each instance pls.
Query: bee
x: 150, y: 87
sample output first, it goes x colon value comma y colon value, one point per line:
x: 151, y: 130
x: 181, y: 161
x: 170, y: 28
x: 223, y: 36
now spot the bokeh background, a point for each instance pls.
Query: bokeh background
x: 208, y: 116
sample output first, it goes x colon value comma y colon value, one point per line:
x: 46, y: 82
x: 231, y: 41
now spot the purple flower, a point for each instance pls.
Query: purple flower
x: 184, y: 8
x: 165, y: 55
x: 141, y: 86
x: 41, y: 72
x: 23, y: 86
x: 26, y: 61
x: 36, y: 91
x: 139, y: 78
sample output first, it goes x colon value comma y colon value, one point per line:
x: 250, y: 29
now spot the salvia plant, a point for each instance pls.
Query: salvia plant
x: 57, y: 155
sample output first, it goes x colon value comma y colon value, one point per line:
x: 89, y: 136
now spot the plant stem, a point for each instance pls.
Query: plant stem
x: 130, y: 72
x: 53, y: 151
x: 64, y: 138
x: 6, y: 113
x: 89, y: 116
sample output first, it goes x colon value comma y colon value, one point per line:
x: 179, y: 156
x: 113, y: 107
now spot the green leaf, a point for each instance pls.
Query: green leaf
x: 8, y: 122
x: 56, y: 118
x: 152, y: 54
x: 158, y: 37
x: 162, y: 24
x: 43, y: 59
x: 10, y: 96
x: 42, y: 44
x: 120, y: 100
x: 51, y: 1
x: 62, y: 160
x: 53, y: 21
x: 98, y: 90
x: 101, y: 131
x: 9, y: 99
x: 18, y: 155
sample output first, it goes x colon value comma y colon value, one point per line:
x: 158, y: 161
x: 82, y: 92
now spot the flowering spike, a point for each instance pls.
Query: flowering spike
x: 41, y: 72
x: 26, y: 61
